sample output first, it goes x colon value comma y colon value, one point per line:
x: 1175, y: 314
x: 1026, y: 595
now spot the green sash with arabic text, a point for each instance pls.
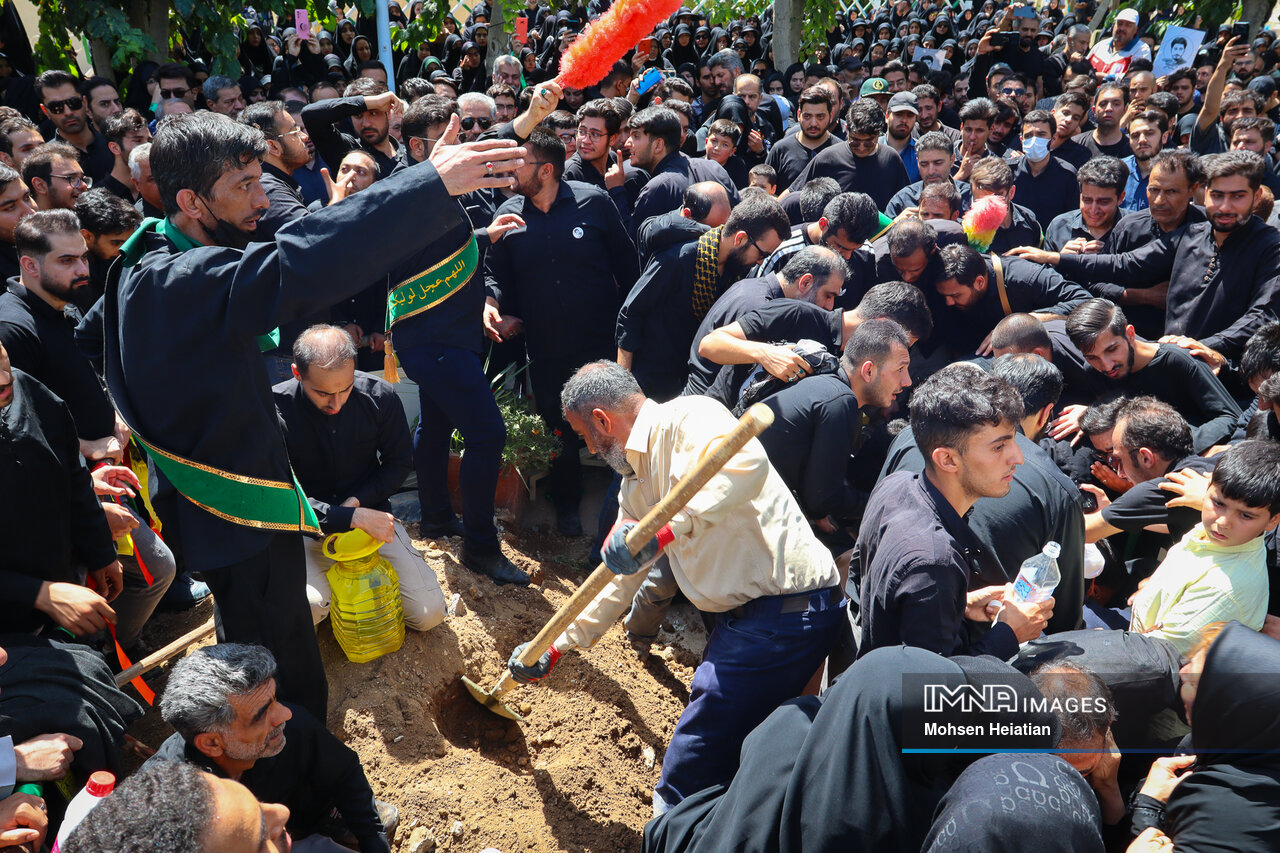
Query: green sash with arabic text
x: 434, y: 285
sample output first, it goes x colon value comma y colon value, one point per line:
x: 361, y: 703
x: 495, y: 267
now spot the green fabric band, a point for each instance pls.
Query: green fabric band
x: 434, y: 285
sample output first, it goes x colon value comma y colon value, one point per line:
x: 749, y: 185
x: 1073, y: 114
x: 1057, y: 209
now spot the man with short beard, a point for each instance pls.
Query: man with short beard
x: 900, y: 120
x: 36, y: 328
x: 193, y: 294
x: 222, y: 702
x: 934, y: 160
x: 745, y: 556
x: 1133, y: 367
x: 1146, y: 135
x: 792, y: 153
x: 573, y: 255
x: 660, y: 315
x: 654, y: 146
x: 929, y: 101
x: 369, y: 105
x: 124, y: 131
x: 286, y: 151
x: 1224, y: 274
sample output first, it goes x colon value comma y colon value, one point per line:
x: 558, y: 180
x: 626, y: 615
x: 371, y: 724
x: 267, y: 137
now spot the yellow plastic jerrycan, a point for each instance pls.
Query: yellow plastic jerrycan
x: 365, y: 609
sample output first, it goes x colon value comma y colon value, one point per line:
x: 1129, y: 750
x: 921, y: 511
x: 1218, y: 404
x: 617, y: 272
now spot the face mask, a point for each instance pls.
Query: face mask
x: 1036, y: 148
x: 226, y: 234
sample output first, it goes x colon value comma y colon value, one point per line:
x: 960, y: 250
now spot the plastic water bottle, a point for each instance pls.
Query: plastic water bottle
x: 99, y: 786
x: 1039, y: 575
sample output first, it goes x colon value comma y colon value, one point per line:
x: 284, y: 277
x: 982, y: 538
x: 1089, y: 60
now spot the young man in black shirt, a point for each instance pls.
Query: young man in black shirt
x: 573, y: 258
x: 1069, y: 111
x: 863, y: 164
x: 348, y: 442
x: 1044, y: 183
x: 1108, y: 139
x: 916, y: 553
x: 1088, y: 228
x: 124, y: 132
x: 1135, y: 367
x: 660, y: 316
x: 790, y: 155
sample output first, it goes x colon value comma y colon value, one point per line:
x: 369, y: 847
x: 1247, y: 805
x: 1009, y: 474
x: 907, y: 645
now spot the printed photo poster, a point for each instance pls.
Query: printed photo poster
x: 1177, y: 50
x: 933, y: 56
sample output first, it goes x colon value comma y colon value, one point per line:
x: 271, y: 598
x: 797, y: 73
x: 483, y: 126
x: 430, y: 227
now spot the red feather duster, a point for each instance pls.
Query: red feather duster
x: 609, y: 37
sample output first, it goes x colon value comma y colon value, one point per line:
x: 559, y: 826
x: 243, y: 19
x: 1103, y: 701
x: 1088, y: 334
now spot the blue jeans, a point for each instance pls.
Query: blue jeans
x: 454, y: 393
x: 754, y: 662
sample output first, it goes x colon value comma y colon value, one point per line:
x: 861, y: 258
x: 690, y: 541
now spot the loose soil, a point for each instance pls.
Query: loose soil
x: 577, y: 775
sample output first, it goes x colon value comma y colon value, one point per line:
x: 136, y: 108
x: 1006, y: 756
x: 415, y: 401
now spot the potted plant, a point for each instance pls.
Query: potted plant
x: 529, y: 449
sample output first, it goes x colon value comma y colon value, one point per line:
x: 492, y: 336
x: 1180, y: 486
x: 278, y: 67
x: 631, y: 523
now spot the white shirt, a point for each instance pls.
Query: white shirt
x: 1105, y: 59
x: 743, y: 535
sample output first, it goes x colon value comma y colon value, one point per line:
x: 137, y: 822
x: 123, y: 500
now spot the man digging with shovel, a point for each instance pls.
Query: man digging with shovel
x: 740, y: 549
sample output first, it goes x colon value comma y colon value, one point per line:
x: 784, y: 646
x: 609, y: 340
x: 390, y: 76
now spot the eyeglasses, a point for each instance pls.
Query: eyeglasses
x: 429, y: 140
x: 179, y: 92
x: 76, y: 180
x: 297, y: 131
x: 593, y: 135
x: 468, y: 123
x: 56, y: 108
x: 567, y: 137
x: 762, y: 252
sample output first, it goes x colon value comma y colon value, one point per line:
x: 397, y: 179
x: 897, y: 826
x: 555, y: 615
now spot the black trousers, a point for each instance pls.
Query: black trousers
x: 263, y: 600
x: 564, y: 479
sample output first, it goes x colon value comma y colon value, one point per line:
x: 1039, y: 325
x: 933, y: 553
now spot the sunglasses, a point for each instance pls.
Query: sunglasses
x: 179, y: 92
x: 468, y: 123
x: 1013, y: 93
x: 56, y: 108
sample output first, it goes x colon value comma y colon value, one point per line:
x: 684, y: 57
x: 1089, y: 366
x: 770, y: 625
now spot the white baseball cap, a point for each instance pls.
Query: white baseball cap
x: 1130, y: 15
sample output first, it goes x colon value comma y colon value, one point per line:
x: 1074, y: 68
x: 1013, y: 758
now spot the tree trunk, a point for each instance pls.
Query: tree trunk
x: 152, y: 17
x: 1257, y: 13
x: 788, y: 23
x: 100, y: 56
x: 499, y: 41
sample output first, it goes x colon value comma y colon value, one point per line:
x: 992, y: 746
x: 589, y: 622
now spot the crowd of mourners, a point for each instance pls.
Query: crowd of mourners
x: 1013, y: 291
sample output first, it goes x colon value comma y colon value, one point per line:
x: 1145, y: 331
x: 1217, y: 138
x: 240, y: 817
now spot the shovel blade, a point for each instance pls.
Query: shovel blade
x: 490, y: 701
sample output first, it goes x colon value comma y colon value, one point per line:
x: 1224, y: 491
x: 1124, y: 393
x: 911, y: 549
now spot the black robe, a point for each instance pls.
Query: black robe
x: 184, y: 366
x: 1231, y: 800
x: 1013, y: 803
x: 827, y: 773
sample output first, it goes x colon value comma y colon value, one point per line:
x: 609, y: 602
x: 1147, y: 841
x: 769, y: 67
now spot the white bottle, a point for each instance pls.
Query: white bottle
x: 95, y: 791
x: 1039, y: 575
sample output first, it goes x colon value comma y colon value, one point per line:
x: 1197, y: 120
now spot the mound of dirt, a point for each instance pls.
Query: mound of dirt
x: 576, y: 775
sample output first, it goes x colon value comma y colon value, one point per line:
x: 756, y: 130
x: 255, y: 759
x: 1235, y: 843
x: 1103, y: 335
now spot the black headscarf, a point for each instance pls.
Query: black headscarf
x: 679, y: 54
x: 1015, y: 803
x: 786, y: 80
x: 828, y: 773
x: 1232, y: 797
x: 256, y: 60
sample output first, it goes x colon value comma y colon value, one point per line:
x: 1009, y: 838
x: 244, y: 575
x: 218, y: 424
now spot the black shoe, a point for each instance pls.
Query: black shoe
x: 443, y: 530
x: 568, y: 523
x: 495, y: 566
